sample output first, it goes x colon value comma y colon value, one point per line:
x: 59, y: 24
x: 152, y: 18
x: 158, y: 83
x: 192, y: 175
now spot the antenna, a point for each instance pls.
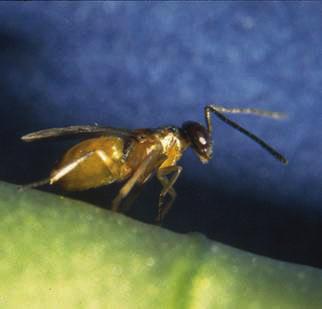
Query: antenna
x: 218, y: 110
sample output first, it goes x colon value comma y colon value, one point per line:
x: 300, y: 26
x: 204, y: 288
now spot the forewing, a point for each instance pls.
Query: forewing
x: 75, y: 132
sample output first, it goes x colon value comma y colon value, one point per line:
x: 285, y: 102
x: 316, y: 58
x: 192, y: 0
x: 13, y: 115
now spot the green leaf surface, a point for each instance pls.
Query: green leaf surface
x: 61, y: 253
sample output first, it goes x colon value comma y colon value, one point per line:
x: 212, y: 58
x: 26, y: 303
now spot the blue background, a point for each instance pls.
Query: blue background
x: 151, y: 64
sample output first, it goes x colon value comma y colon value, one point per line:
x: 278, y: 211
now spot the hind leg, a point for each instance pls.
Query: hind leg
x: 63, y: 171
x: 35, y: 184
x: 58, y: 174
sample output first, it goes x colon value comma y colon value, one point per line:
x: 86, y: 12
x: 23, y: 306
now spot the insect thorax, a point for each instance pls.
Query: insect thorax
x: 173, y: 146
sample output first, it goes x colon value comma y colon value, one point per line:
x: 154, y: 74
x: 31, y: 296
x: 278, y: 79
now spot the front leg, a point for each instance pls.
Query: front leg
x: 167, y: 184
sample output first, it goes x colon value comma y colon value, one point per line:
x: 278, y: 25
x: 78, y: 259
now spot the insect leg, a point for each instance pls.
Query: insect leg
x: 34, y: 184
x: 109, y: 163
x: 58, y: 174
x: 63, y: 171
x: 132, y: 196
x: 167, y: 184
x: 144, y: 169
x: 137, y: 189
x: 218, y: 110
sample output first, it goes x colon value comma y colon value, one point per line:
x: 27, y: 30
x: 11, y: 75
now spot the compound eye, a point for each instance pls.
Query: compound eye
x: 201, y: 140
x: 198, y: 135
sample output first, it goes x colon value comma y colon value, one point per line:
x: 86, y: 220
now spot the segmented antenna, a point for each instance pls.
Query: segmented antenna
x: 218, y: 110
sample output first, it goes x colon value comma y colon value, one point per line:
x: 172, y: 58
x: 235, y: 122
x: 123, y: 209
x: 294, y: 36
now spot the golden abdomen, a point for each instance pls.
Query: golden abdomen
x: 93, y: 171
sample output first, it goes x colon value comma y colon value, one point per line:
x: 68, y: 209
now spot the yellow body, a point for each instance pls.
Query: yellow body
x: 94, y: 172
x: 117, y: 154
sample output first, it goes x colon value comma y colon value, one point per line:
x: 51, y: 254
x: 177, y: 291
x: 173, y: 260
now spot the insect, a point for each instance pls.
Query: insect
x: 110, y: 155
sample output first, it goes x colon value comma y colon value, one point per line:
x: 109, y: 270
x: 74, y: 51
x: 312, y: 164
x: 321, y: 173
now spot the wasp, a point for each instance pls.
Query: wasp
x: 110, y: 155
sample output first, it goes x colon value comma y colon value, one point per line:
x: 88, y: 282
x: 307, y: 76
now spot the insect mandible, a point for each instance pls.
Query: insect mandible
x: 110, y: 155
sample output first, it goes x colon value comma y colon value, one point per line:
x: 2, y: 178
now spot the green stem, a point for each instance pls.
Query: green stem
x: 60, y: 253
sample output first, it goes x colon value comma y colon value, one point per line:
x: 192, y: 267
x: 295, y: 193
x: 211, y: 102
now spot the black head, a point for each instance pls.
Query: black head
x: 199, y: 138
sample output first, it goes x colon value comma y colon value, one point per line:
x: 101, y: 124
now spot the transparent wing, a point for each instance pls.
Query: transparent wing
x: 75, y: 132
